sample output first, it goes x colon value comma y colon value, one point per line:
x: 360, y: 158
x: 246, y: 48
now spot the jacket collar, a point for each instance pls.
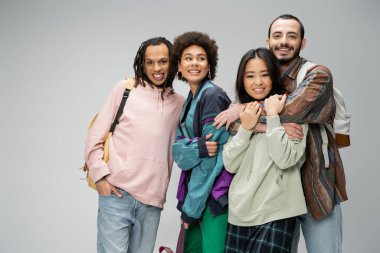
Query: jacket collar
x: 293, y: 70
x: 199, y: 88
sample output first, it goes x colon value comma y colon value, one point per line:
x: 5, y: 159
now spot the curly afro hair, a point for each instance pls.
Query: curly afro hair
x: 188, y: 39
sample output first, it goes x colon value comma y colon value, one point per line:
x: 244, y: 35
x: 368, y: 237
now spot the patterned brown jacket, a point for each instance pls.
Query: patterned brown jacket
x: 313, y: 103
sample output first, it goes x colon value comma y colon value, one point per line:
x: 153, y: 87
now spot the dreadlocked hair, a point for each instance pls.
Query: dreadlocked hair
x: 138, y: 65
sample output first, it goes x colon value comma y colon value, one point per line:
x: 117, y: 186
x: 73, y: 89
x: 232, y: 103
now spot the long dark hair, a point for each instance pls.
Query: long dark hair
x: 138, y: 65
x: 271, y: 63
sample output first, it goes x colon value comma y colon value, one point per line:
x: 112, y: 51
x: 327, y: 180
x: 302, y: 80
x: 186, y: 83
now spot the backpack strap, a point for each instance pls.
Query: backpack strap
x: 128, y: 87
x: 302, y: 72
x: 325, y: 142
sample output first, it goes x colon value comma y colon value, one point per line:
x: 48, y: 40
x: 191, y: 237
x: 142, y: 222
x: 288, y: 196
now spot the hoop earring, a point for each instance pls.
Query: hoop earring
x: 209, y: 75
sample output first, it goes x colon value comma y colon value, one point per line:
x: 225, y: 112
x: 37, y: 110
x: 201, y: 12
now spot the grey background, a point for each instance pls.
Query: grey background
x: 60, y: 59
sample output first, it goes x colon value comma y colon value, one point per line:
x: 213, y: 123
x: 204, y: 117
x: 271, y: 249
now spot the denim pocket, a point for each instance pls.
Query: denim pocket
x: 108, y: 195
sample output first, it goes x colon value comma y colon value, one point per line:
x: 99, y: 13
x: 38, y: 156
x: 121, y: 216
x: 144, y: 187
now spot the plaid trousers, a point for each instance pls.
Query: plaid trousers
x: 272, y: 237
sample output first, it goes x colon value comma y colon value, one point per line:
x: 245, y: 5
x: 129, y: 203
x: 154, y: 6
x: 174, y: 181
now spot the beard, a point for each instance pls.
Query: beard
x: 285, y: 61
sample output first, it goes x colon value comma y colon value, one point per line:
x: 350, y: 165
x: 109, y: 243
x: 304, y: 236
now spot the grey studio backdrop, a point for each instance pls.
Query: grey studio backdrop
x: 60, y: 59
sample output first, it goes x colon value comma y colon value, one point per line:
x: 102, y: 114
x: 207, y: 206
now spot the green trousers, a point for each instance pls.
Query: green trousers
x: 208, y: 236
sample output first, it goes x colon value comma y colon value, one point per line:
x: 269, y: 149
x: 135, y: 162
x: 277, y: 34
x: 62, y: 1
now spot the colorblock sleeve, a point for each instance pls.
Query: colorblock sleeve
x: 313, y: 100
x: 185, y: 151
x: 203, y: 175
x: 284, y: 151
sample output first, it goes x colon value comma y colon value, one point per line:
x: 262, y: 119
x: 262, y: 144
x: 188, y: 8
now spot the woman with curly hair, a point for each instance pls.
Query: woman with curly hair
x: 203, y: 187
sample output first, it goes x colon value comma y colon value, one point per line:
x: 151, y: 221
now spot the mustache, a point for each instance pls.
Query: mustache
x: 285, y: 45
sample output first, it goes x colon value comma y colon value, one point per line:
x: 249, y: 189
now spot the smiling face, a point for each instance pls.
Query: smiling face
x: 257, y: 81
x: 285, y: 40
x: 193, y: 65
x: 156, y: 63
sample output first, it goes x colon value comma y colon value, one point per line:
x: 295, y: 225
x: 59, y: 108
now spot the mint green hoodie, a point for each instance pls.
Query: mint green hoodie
x: 267, y: 185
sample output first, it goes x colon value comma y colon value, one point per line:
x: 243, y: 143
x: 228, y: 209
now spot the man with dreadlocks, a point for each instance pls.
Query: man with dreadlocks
x: 132, y: 185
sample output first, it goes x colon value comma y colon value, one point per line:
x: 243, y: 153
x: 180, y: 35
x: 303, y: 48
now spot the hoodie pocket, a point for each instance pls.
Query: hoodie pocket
x: 148, y: 176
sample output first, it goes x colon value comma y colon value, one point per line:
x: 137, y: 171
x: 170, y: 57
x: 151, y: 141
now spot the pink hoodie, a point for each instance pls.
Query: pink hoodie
x: 140, y: 159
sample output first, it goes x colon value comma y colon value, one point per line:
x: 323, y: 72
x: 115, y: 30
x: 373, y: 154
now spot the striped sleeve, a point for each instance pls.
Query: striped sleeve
x: 313, y: 100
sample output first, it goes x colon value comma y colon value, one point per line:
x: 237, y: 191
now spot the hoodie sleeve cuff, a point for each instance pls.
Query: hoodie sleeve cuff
x: 97, y: 174
x: 273, y: 122
x: 243, y: 134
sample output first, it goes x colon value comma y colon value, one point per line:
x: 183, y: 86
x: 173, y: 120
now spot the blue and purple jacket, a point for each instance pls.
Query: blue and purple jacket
x: 203, y: 179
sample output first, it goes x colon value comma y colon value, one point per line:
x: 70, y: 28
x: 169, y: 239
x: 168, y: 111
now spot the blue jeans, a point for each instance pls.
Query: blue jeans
x: 323, y: 235
x: 126, y: 225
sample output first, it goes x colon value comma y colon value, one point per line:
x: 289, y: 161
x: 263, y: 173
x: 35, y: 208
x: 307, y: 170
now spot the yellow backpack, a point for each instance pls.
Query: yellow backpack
x: 128, y: 87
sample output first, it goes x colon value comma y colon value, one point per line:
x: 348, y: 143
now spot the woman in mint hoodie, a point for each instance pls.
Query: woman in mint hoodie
x: 203, y: 186
x: 266, y: 192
